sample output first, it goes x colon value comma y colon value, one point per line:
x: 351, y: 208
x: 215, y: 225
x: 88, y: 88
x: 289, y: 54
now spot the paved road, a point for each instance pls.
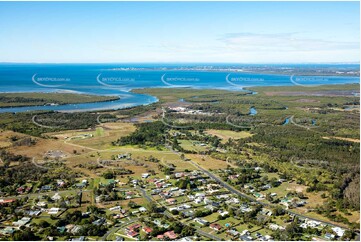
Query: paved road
x: 208, y: 235
x: 144, y: 193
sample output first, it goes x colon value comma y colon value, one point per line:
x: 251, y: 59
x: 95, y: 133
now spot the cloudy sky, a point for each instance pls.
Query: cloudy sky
x: 239, y: 32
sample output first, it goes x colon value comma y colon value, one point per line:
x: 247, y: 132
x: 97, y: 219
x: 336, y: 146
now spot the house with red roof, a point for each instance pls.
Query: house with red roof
x: 215, y: 226
x: 160, y: 236
x: 171, y: 235
x: 4, y: 201
x: 159, y: 185
x: 134, y: 227
x: 132, y: 234
x: 171, y: 200
x: 147, y: 230
x: 20, y: 190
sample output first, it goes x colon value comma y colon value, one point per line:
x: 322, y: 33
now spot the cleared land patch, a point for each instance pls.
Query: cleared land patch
x: 228, y: 134
x: 207, y: 162
x: 193, y: 145
x: 342, y: 138
x: 100, y: 138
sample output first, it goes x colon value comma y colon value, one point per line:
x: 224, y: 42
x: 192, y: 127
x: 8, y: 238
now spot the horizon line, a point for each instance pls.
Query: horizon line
x: 150, y: 62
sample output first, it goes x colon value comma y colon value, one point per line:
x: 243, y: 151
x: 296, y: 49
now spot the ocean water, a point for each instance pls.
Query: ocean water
x: 120, y: 79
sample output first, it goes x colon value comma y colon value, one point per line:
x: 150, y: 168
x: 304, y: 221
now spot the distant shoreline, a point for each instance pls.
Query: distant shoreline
x: 29, y: 99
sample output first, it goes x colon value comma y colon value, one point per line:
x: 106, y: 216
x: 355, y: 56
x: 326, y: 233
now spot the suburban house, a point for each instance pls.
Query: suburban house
x: 170, y: 235
x: 201, y: 221
x: 215, y: 226
x: 147, y: 230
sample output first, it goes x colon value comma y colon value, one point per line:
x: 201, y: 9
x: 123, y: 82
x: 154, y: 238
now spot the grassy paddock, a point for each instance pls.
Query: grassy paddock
x: 228, y: 134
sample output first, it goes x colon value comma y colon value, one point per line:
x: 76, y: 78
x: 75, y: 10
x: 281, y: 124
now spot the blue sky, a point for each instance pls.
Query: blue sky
x: 239, y: 32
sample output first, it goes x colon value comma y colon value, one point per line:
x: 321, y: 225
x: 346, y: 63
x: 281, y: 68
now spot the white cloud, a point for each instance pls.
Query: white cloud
x: 282, y: 42
x: 255, y: 47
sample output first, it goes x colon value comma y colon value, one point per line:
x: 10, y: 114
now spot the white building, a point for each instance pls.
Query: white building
x: 145, y: 175
x: 53, y: 210
x: 56, y: 197
x: 338, y: 231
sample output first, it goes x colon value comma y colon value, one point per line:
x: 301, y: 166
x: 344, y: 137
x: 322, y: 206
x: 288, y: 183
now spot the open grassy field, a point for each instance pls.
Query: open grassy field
x: 212, y: 217
x: 207, y: 162
x: 180, y: 164
x: 228, y: 134
x: 192, y: 145
x: 138, y: 164
x: 6, y: 138
x: 40, y: 147
x: 230, y: 220
x: 286, y: 187
x: 100, y: 138
x: 354, y: 217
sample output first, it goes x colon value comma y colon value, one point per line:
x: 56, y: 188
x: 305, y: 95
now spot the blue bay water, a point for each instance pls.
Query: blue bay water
x: 120, y: 79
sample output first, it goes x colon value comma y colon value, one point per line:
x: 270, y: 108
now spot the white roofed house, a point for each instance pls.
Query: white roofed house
x: 76, y: 229
x: 303, y: 225
x: 41, y: 204
x: 7, y: 231
x: 313, y: 223
x: 266, y: 212
x: 56, y: 197
x: 276, y: 227
x: 184, y: 206
x: 233, y: 233
x: 60, y: 183
x: 223, y: 212
x: 142, y: 209
x: 34, y: 212
x: 210, y: 207
x: 145, y: 175
x: 201, y: 221
x: 222, y: 196
x: 53, y: 210
x: 21, y: 222
x: 232, y: 201
x: 116, y: 208
x: 339, y: 231
x: 200, y: 195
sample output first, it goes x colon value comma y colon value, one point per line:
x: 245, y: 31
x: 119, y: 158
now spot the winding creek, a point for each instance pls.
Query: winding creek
x: 287, y: 120
x: 252, y: 111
